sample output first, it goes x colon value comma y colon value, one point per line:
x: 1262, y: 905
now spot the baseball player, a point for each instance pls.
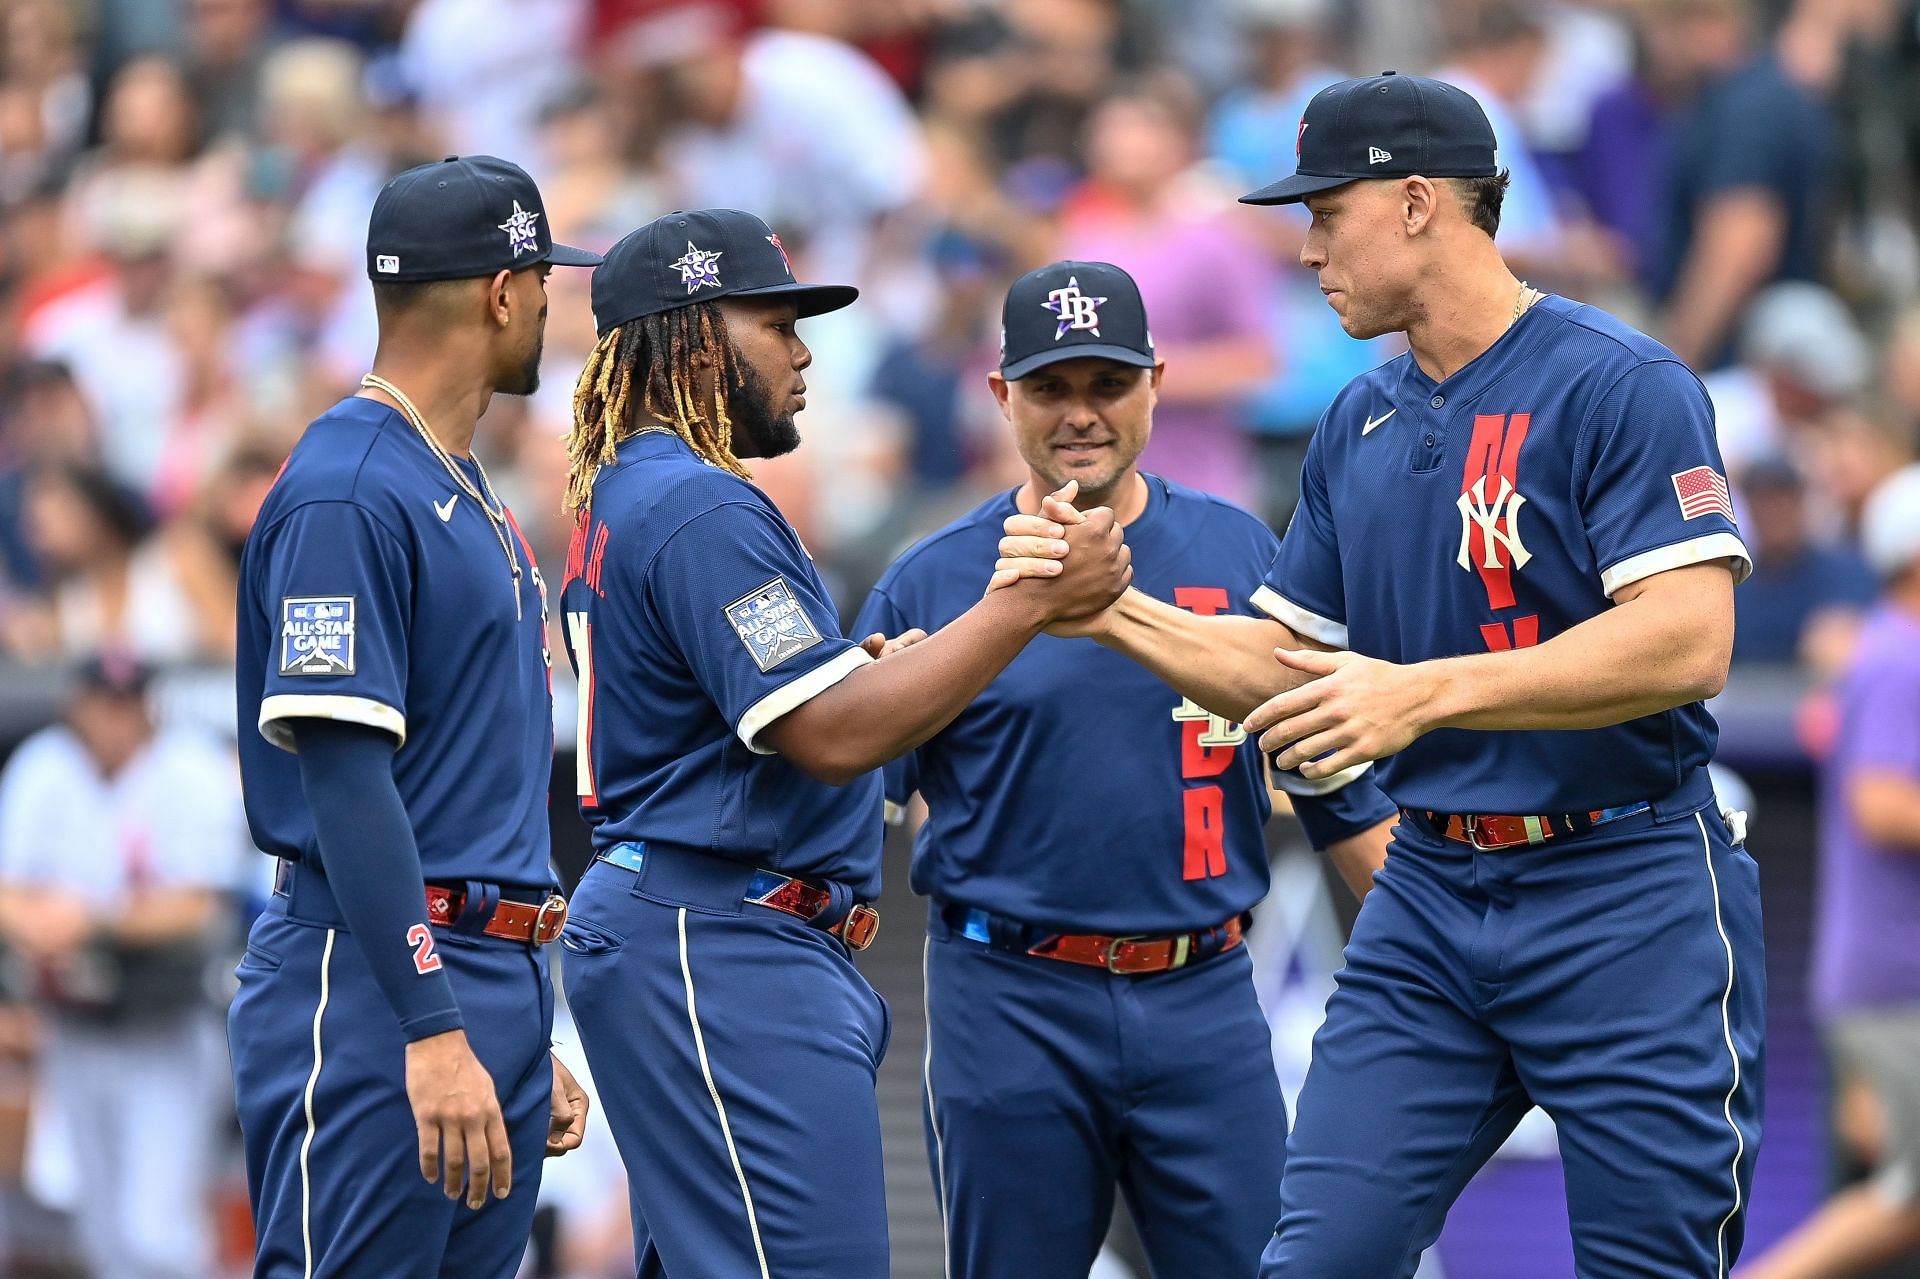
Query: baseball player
x: 1565, y: 919
x: 1085, y: 930
x: 392, y: 1022
x: 728, y: 740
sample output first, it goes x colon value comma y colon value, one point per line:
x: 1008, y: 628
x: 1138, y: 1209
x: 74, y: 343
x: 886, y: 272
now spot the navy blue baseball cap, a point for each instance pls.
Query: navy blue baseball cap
x: 701, y: 255
x: 462, y: 217
x: 1071, y: 311
x: 1385, y: 126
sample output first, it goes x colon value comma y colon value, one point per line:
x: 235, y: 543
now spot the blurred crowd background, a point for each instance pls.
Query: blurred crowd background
x: 184, y: 188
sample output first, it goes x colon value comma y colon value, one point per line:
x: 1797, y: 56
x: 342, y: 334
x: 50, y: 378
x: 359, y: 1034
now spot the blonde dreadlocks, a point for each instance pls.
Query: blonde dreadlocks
x: 654, y: 353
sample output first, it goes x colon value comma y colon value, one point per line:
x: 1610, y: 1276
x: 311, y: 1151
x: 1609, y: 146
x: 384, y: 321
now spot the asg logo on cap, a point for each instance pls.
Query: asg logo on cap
x: 519, y: 229
x: 698, y: 268
x: 1076, y: 310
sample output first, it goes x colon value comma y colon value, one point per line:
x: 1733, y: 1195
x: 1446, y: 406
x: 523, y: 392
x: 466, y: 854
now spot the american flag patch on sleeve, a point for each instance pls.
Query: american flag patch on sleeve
x: 1702, y: 491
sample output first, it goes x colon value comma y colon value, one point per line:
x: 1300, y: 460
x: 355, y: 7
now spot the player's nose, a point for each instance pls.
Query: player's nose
x: 802, y: 354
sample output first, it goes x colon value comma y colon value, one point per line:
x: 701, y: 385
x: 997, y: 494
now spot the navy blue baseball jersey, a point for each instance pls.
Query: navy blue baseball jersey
x: 1497, y: 510
x: 372, y: 590
x: 1078, y: 791
x: 695, y: 618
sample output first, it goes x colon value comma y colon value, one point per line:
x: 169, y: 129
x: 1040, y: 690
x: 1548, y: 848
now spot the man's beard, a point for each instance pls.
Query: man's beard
x: 755, y: 425
x: 526, y: 379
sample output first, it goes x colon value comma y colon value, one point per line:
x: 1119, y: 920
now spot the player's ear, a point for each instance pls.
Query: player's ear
x: 500, y: 298
x: 1158, y: 371
x: 1419, y: 201
x: 1001, y: 390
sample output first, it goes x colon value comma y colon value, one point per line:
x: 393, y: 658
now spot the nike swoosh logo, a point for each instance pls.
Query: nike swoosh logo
x: 445, y: 512
x: 1365, y: 430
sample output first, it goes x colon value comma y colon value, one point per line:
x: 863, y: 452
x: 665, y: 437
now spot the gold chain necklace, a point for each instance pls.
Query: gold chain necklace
x: 496, y: 519
x: 1527, y: 297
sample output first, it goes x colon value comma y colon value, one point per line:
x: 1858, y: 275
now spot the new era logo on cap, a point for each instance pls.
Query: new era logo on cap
x: 1401, y: 124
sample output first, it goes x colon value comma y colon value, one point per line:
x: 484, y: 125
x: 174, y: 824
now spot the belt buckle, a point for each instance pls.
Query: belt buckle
x: 555, y: 906
x: 1470, y: 824
x: 1112, y: 954
x: 860, y: 927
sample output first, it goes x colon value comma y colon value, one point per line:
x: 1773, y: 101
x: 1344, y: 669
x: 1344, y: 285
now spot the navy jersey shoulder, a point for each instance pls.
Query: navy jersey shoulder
x: 373, y: 590
x: 695, y: 619
x: 1078, y: 791
x: 1497, y: 509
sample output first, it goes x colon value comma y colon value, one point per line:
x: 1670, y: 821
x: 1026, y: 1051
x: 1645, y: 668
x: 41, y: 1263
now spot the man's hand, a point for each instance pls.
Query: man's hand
x: 879, y: 646
x: 1352, y: 709
x: 1096, y: 572
x: 1035, y: 545
x: 567, y: 1116
x: 463, y: 1139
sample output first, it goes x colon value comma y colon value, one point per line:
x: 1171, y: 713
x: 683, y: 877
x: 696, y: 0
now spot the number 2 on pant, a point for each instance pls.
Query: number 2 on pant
x: 420, y: 937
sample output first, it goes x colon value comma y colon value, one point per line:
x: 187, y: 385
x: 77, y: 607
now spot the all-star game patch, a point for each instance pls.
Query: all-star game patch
x: 316, y: 635
x: 772, y: 624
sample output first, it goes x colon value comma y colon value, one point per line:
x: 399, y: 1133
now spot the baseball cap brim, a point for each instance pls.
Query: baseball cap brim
x: 1076, y: 351
x: 808, y: 299
x: 567, y: 255
x: 1292, y: 190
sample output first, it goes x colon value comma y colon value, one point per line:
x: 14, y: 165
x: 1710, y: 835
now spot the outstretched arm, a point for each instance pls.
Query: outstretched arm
x: 1667, y: 642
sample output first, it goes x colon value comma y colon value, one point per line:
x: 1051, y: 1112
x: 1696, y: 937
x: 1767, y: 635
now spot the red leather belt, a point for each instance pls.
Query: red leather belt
x: 1138, y: 954
x: 802, y: 900
x: 535, y: 924
x: 1489, y: 832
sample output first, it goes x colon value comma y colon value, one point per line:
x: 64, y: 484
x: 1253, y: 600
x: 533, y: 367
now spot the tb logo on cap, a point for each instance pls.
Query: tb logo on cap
x: 1076, y: 310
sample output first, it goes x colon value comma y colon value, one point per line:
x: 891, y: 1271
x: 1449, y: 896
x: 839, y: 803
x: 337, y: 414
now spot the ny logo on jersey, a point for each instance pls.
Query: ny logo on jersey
x: 1490, y: 542
x: 1499, y: 525
x: 1076, y: 310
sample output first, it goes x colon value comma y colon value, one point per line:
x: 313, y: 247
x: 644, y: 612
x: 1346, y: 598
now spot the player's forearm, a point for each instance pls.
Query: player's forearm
x: 1223, y: 663
x: 885, y: 709
x: 1359, y: 857
x: 372, y: 864
x: 1639, y: 658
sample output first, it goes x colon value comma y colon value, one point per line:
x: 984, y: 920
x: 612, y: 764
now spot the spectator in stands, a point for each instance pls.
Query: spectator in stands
x: 43, y: 422
x: 1252, y: 133
x: 1749, y: 178
x: 118, y: 847
x: 1804, y: 599
x: 1867, y: 966
x: 1204, y: 278
x: 226, y: 42
x: 45, y: 101
x: 111, y: 585
x: 1802, y: 355
x: 752, y: 129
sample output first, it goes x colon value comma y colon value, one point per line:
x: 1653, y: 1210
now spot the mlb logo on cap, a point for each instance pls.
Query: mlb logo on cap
x: 459, y: 218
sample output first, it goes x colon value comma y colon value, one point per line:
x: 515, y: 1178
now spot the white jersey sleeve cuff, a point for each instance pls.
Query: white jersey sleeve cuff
x: 1290, y: 780
x: 895, y: 814
x: 275, y: 711
x: 797, y: 693
x: 1696, y: 550
x: 1299, y: 620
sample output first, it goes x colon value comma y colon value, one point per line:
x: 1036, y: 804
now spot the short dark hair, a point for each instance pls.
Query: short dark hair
x: 1482, y: 198
x: 394, y: 298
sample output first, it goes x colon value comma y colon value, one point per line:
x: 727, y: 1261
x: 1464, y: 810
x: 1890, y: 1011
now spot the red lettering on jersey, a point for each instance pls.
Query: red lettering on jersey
x: 1204, y: 600
x: 1207, y: 748
x: 576, y: 550
x: 595, y: 561
x: 420, y: 937
x: 1489, y: 499
x: 1205, y: 856
x: 1526, y: 633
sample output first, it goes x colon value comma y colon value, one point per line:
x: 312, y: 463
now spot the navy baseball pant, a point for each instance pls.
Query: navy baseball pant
x: 319, y: 1067
x: 1048, y: 1083
x: 1615, y: 980
x: 735, y: 1050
